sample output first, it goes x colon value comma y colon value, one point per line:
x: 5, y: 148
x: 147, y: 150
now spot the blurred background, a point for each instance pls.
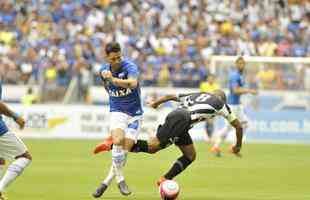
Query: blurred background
x: 51, y: 52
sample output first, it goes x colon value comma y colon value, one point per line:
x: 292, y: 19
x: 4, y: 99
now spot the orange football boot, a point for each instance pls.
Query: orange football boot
x: 106, y: 145
x: 161, y: 179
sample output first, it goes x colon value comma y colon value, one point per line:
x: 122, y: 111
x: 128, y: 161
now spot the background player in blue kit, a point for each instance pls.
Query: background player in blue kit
x: 236, y: 90
x: 11, y: 147
x: 120, y: 77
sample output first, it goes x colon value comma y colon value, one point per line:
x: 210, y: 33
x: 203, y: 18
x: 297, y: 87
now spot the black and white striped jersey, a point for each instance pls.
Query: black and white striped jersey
x: 204, y: 106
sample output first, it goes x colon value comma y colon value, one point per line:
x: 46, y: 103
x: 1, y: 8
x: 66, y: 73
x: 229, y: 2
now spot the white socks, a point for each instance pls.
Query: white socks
x: 118, y: 161
x: 119, y: 158
x: 107, y: 181
x: 119, y: 170
x: 14, y: 170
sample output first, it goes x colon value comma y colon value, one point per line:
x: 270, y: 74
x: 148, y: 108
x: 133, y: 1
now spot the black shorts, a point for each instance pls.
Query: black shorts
x: 175, y: 129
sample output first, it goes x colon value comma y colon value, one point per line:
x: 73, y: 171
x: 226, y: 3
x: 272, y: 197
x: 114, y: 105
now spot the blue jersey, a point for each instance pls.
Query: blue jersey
x: 3, y: 127
x: 235, y: 80
x: 124, y: 100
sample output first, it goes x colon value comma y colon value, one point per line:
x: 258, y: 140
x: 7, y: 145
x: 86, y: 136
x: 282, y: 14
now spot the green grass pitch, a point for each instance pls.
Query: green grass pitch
x: 66, y: 170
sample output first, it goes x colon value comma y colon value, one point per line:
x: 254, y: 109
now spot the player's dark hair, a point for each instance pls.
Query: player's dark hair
x: 220, y: 94
x: 112, y: 47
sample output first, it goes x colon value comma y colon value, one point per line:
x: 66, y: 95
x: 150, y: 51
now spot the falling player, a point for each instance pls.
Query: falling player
x: 11, y: 148
x: 120, y: 77
x: 194, y: 108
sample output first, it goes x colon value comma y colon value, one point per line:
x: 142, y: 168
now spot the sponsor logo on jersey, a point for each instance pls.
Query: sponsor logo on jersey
x: 138, y: 112
x: 120, y: 93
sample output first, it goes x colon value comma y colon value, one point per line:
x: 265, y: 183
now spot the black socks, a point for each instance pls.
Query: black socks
x: 179, y: 166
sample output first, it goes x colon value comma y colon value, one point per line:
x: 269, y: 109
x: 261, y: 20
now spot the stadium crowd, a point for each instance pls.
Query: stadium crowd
x: 52, y: 41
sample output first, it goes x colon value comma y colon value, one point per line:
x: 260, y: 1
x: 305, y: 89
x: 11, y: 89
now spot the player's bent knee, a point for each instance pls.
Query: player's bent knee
x: 191, y: 156
x: 118, y: 136
x: 118, y: 140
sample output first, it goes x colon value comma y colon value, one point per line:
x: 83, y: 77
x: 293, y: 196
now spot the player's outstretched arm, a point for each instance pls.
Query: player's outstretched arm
x: 163, y: 99
x: 9, y: 113
x: 239, y: 134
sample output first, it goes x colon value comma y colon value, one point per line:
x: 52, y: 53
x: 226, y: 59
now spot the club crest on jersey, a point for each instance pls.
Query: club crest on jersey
x: 120, y: 93
x: 121, y: 75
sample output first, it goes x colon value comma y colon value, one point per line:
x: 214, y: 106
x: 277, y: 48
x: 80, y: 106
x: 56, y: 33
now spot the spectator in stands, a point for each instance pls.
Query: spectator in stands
x: 174, y: 33
x: 84, y: 80
x: 30, y: 97
x: 50, y: 86
x: 266, y: 77
x: 268, y: 46
x: 11, y: 74
x: 210, y: 84
x: 164, y: 76
x: 179, y: 75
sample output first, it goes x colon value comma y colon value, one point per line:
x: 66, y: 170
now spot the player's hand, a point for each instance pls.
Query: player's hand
x: 106, y: 75
x: 21, y: 122
x: 235, y: 149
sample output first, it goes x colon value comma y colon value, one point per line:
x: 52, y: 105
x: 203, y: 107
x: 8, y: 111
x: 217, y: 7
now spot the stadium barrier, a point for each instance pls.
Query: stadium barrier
x: 267, y: 99
x: 91, y: 122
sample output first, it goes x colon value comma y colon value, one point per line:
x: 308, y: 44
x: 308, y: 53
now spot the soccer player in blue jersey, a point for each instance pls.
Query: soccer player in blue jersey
x: 236, y: 90
x: 120, y: 77
x: 11, y: 147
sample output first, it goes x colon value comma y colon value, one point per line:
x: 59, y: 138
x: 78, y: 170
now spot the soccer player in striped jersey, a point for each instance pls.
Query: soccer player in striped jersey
x: 11, y: 148
x: 194, y: 108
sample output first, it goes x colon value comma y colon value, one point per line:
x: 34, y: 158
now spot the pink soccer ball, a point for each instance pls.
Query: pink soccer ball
x: 169, y: 190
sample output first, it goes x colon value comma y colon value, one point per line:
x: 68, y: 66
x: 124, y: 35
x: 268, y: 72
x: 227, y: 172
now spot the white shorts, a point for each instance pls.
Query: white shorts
x: 238, y: 110
x: 11, y: 146
x: 131, y: 125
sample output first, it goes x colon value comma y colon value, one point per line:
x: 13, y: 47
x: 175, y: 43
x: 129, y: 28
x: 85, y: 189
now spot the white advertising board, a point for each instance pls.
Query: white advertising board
x: 73, y: 121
